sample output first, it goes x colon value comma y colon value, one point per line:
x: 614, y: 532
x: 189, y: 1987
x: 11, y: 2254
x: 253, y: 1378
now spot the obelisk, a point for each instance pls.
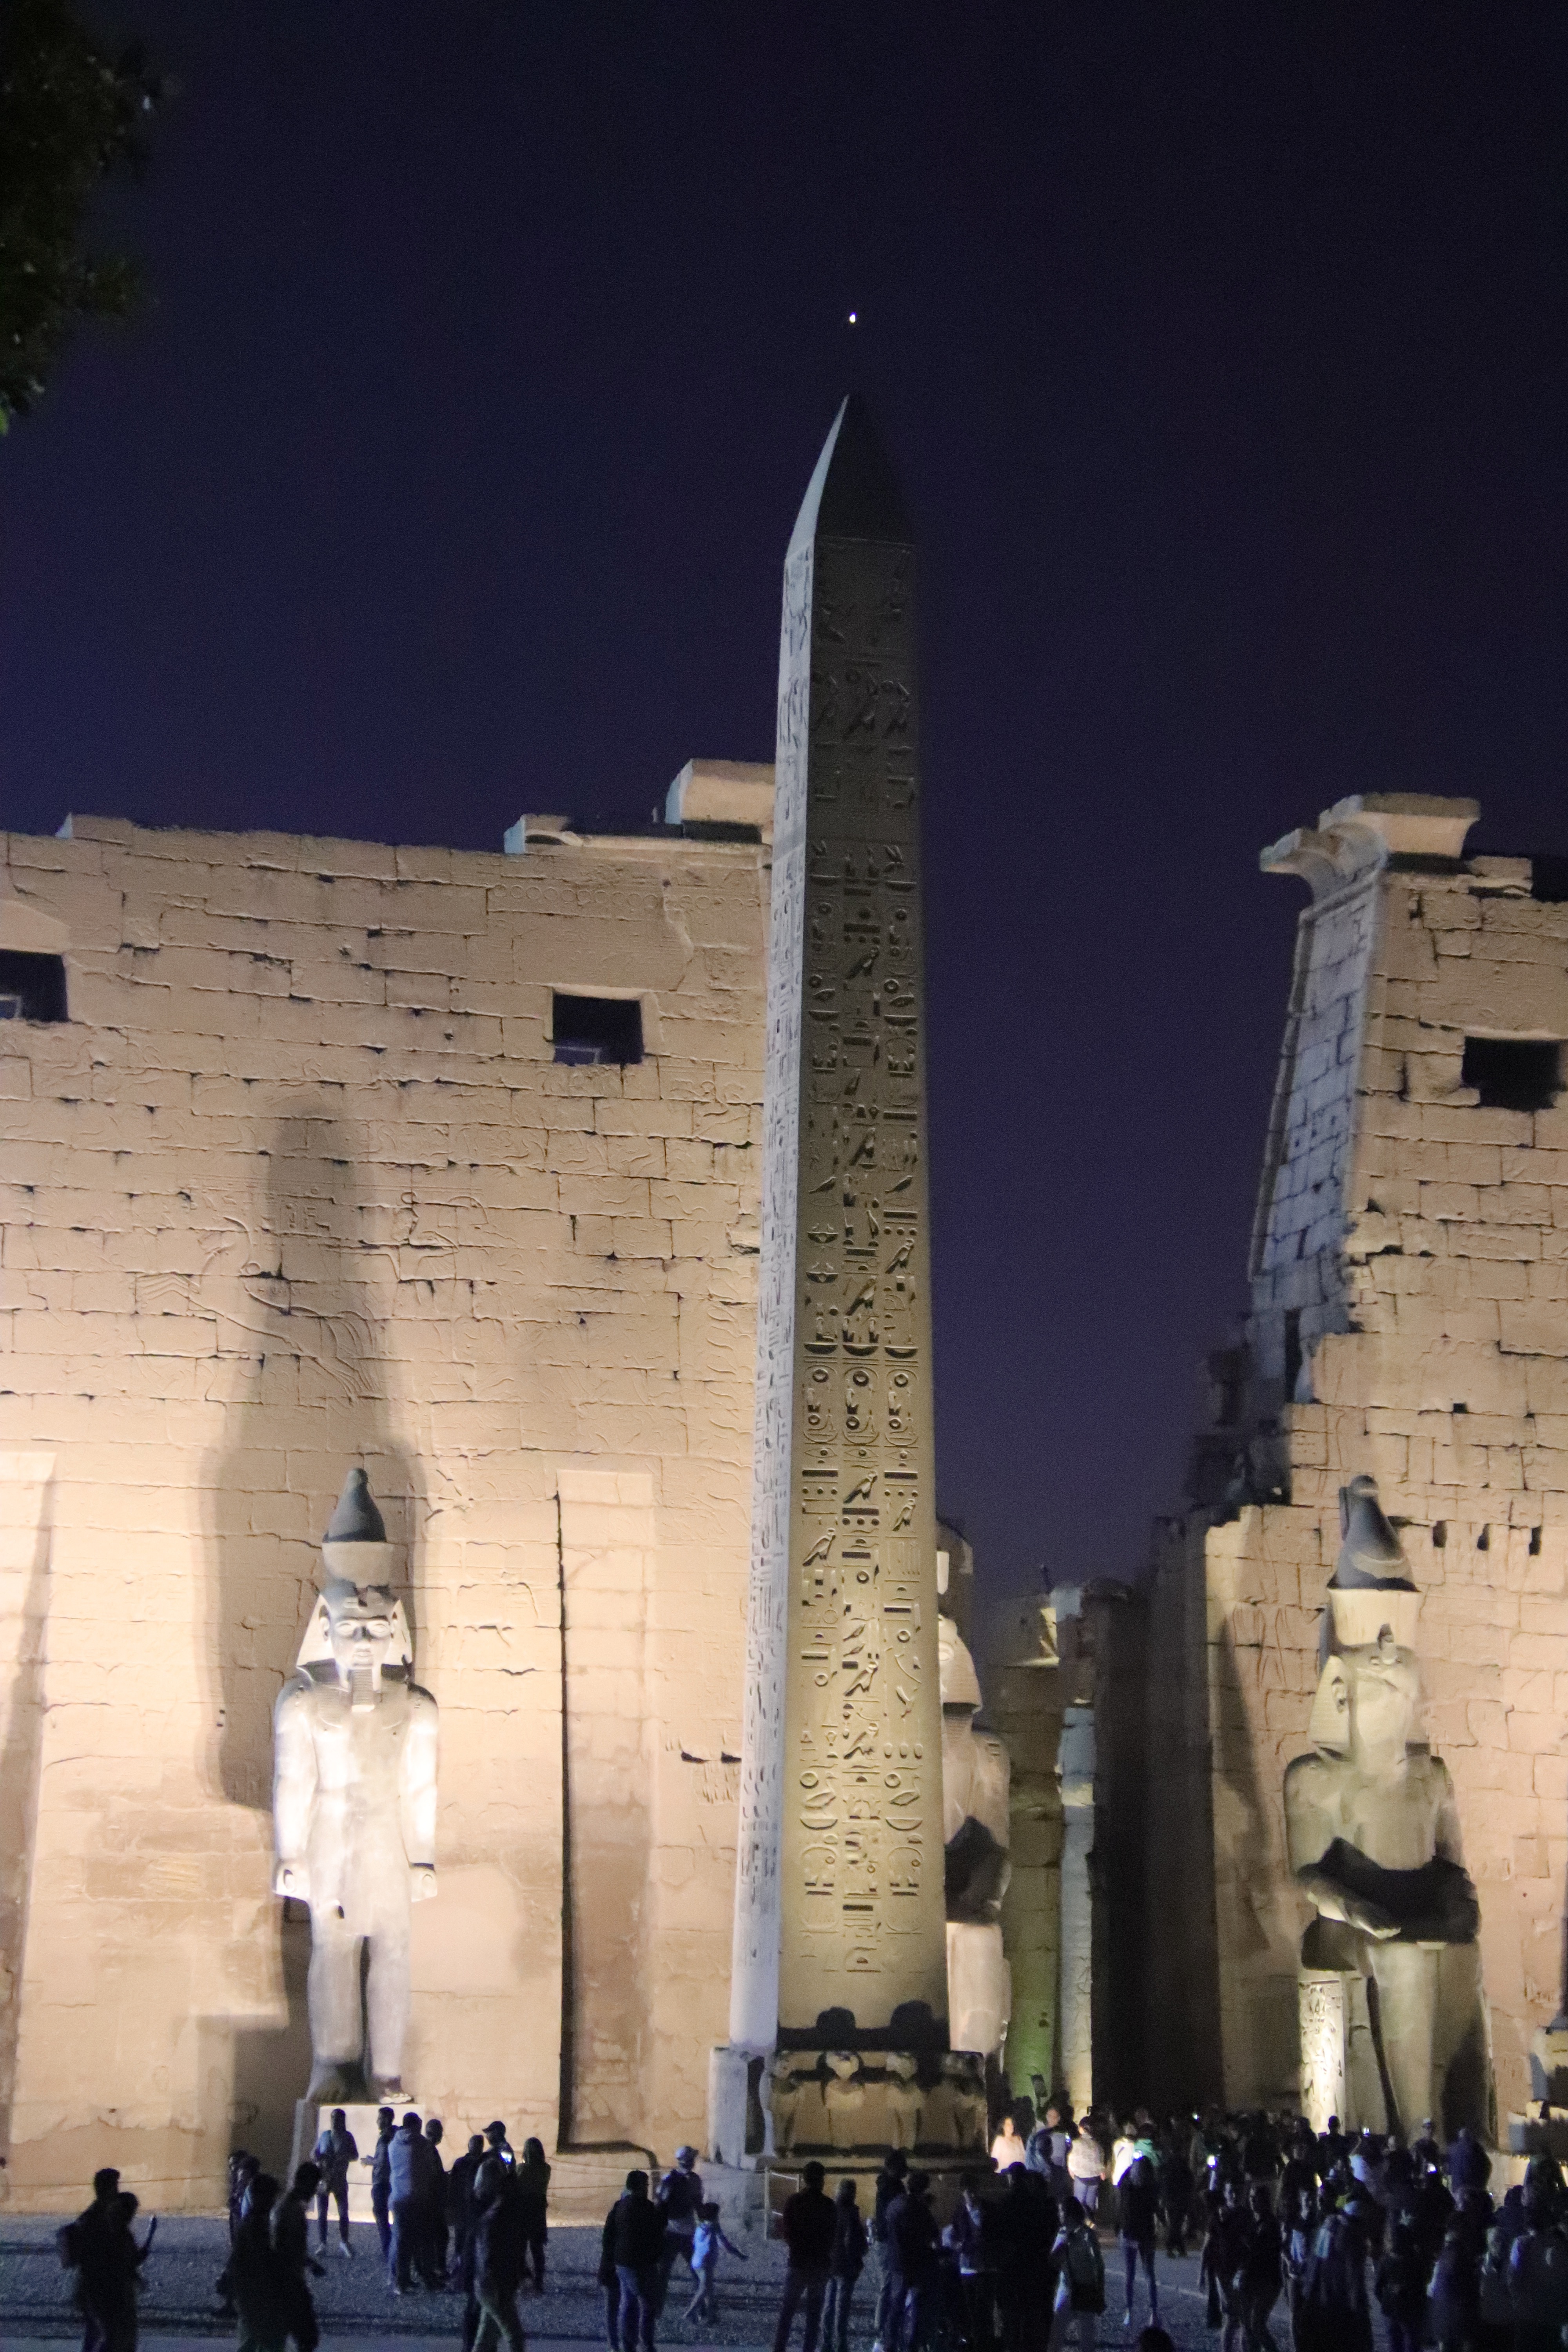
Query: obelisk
x: 839, y: 1926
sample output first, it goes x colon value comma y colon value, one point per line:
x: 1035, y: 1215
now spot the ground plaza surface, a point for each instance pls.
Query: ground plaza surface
x: 356, y: 2311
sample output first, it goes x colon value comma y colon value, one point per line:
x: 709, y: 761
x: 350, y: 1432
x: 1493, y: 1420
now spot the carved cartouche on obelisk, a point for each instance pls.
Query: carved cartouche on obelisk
x: 353, y: 1805
x: 839, y: 1925
x: 1371, y: 1820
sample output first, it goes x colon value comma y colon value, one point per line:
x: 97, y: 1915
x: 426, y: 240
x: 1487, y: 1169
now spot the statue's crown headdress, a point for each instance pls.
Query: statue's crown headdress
x: 354, y: 1546
x: 1371, y: 1586
x: 358, y: 1558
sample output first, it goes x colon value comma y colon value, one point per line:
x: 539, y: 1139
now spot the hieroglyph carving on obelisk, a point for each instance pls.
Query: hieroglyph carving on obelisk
x: 840, y: 1893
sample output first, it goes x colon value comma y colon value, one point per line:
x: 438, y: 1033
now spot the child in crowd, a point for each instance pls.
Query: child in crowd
x: 707, y: 2240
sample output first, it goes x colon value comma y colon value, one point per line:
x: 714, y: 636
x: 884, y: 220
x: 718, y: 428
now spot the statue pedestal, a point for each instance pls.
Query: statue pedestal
x: 311, y: 2121
x: 1321, y: 2005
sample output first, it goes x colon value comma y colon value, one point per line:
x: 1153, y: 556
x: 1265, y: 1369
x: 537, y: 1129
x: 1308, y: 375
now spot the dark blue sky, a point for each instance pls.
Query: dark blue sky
x: 1221, y: 350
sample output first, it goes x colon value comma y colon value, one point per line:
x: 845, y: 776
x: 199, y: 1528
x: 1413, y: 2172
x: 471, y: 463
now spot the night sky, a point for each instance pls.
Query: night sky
x: 449, y: 470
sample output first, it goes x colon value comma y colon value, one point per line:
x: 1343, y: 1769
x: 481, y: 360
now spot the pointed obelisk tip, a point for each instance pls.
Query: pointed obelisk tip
x: 858, y: 493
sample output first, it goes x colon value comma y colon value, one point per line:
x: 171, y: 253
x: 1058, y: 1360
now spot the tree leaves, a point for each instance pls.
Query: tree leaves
x: 71, y: 115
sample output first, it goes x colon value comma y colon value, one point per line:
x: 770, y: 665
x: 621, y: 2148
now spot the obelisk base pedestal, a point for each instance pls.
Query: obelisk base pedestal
x: 735, y: 2135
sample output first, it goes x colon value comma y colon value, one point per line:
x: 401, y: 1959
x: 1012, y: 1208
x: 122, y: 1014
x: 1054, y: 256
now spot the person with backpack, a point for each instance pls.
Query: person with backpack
x: 86, y: 2246
x: 115, y: 2279
x: 1138, y: 2191
x: 1080, y: 2280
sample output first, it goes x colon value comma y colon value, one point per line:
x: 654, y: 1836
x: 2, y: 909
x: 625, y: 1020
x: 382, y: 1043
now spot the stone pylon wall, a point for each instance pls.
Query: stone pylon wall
x: 298, y: 1184
x: 1412, y: 1252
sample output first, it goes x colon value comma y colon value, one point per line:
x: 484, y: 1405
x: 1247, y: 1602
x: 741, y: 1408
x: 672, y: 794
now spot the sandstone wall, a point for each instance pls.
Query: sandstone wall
x: 1421, y: 1240
x: 300, y: 1184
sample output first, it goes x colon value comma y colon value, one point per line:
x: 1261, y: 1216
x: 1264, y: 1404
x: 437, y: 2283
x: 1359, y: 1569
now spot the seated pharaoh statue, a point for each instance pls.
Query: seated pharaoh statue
x: 1372, y: 1832
x: 975, y: 1785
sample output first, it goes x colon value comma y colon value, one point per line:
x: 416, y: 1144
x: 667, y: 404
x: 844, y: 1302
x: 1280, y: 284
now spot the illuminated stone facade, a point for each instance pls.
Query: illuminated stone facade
x: 300, y: 1182
x: 1409, y: 1319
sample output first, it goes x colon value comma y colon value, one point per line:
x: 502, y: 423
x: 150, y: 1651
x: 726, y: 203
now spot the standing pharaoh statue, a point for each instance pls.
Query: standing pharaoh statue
x: 353, y: 1805
x: 975, y: 1790
x: 1373, y: 1831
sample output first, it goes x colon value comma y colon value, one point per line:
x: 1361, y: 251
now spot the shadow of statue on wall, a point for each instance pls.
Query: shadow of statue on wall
x: 309, y: 1399
x: 1252, y: 1929
x: 309, y: 1284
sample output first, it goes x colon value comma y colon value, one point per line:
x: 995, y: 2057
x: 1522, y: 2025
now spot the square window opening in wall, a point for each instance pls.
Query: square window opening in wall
x: 1513, y: 1072
x: 596, y: 1028
x: 32, y: 987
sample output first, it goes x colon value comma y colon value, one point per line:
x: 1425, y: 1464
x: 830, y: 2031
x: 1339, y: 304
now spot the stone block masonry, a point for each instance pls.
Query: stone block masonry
x: 300, y: 1183
x: 1409, y: 1317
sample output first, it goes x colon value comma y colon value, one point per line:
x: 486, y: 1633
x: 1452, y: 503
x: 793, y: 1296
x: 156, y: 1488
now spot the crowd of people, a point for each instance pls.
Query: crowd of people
x: 477, y: 2229
x: 1307, y: 2234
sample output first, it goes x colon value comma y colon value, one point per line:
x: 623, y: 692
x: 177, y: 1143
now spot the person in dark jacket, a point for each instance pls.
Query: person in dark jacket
x: 461, y: 2211
x: 1080, y: 2280
x: 434, y: 2250
x: 1223, y: 2266
x: 971, y: 2237
x: 417, y: 2177
x: 1176, y: 2190
x: 1138, y: 2192
x: 532, y: 2176
x: 808, y: 2226
x: 291, y: 2245
x: 260, y: 2289
x: 890, y: 2182
x: 1262, y: 2267
x: 1469, y: 2166
x: 607, y: 2277
x: 845, y: 2265
x: 912, y: 2242
x: 1400, y: 2286
x: 87, y: 2247
x: 680, y: 2193
x: 636, y: 2232
x: 1335, y: 2315
x: 381, y: 2180
x: 500, y: 2254
x: 101, y: 2244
